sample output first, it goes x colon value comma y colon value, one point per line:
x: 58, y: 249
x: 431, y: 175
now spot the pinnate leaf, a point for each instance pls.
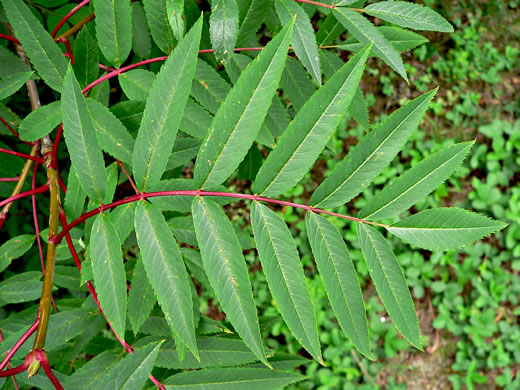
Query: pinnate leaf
x: 164, y: 109
x: 366, y: 33
x: 339, y: 279
x: 303, y: 39
x: 114, y: 29
x: 41, y: 49
x: 240, y: 117
x: 166, y: 272
x: 308, y: 133
x: 410, y: 15
x: 444, y: 228
x: 227, y: 272
x: 81, y: 140
x: 388, y: 277
x: 416, y: 183
x: 371, y: 155
x: 109, y: 271
x: 282, y: 267
x: 223, y: 28
x: 232, y: 379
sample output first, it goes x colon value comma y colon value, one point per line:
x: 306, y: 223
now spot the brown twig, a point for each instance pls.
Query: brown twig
x: 77, y: 27
x: 362, y: 367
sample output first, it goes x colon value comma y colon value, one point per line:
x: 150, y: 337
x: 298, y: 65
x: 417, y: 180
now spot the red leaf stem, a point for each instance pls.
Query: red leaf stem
x: 15, y: 384
x: 44, y: 361
x: 128, y: 176
x: 23, y: 155
x: 67, y: 17
x: 316, y: 3
x: 18, y: 344
x: 66, y: 42
x: 10, y: 38
x: 14, y: 371
x: 10, y: 179
x: 54, y: 159
x: 39, y: 190
x: 13, y: 131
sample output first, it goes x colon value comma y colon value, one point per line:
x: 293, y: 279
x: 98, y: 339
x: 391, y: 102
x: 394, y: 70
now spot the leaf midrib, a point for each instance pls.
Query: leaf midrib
x: 402, y: 15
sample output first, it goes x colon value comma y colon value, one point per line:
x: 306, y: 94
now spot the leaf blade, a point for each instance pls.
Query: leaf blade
x: 366, y: 32
x: 374, y: 151
x: 308, y: 133
x: 80, y: 137
x: 444, y: 228
x: 416, y: 183
x: 410, y: 15
x: 40, y: 122
x: 109, y: 272
x: 225, y: 267
x: 166, y: 272
x: 223, y: 28
x: 339, y: 279
x: 283, y: 270
x: 388, y: 277
x: 164, y: 109
x: 236, y: 123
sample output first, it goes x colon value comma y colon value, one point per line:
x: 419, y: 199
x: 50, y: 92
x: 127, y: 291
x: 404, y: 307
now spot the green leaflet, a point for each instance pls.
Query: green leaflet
x: 123, y: 217
x: 240, y: 117
x: 303, y: 39
x: 402, y: 40
x: 111, y: 134
x: 388, y: 277
x: 157, y: 17
x: 444, y: 228
x: 366, y: 33
x: 227, y: 272
x: 371, y: 155
x: 209, y: 88
x: 416, y: 183
x: 11, y: 63
x: 223, y: 28
x: 164, y: 109
x: 134, y: 369
x: 214, y: 352
x: 282, y: 267
x: 166, y: 272
x: 114, y: 29
x: 109, y: 272
x: 196, y: 120
x: 308, y: 133
x: 405, y: 14
x: 74, y: 197
x: 81, y: 140
x: 296, y: 83
x: 253, y: 18
x: 232, y: 379
x: 141, y: 39
x: 22, y: 287
x: 175, y: 9
x: 12, y: 83
x: 40, y: 122
x: 184, y: 150
x: 339, y: 279
x: 329, y: 30
x: 41, y: 49
x: 136, y: 83
x: 141, y: 299
x: 183, y: 229
x: 93, y: 373
x: 14, y: 248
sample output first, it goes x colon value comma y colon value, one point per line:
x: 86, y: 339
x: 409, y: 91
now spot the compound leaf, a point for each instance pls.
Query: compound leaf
x: 339, y: 279
x: 109, y: 271
x: 81, y: 140
x: 405, y: 14
x: 227, y: 272
x: 282, y: 267
x: 308, y: 133
x: 371, y: 155
x: 416, y: 183
x: 166, y: 272
x: 388, y: 277
x: 444, y: 228
x: 164, y: 110
x: 240, y: 116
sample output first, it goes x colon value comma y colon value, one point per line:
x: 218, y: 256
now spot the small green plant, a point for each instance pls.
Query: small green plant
x: 160, y: 156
